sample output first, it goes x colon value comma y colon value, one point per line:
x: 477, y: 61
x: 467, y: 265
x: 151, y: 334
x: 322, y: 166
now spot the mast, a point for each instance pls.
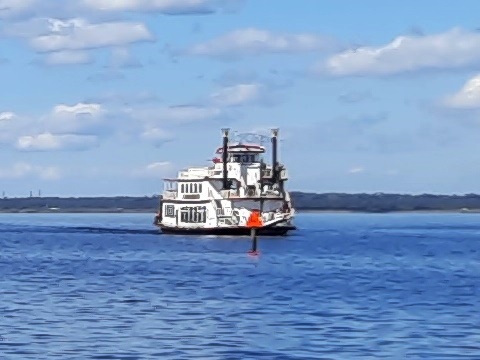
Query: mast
x: 225, y: 158
x: 274, y: 155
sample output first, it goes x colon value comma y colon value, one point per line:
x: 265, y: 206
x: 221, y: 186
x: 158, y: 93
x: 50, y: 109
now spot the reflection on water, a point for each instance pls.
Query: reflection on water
x: 97, y: 286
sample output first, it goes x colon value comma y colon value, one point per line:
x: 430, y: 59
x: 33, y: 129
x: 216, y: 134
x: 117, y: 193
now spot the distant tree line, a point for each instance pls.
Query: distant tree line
x: 380, y: 202
x: 302, y: 201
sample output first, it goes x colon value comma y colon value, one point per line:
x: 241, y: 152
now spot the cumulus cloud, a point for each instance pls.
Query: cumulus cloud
x: 456, y: 48
x: 52, y: 142
x: 78, y: 109
x: 66, y: 127
x: 21, y: 170
x: 6, y: 115
x: 9, y: 8
x: 81, y: 118
x: 252, y: 41
x: 356, y: 170
x: 79, y: 34
x: 468, y: 97
x: 170, y: 7
x: 72, y: 41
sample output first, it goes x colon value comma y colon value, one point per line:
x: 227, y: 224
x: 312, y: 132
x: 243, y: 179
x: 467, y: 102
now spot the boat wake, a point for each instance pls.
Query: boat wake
x: 75, y: 230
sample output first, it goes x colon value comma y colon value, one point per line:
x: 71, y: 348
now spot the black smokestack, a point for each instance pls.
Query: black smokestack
x: 274, y: 154
x: 225, y: 158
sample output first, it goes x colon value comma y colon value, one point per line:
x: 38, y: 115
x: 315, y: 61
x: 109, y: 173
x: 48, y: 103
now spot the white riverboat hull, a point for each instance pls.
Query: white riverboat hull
x: 220, y: 199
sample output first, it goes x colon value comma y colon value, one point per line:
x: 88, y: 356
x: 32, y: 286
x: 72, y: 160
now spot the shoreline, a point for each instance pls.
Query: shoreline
x: 298, y: 211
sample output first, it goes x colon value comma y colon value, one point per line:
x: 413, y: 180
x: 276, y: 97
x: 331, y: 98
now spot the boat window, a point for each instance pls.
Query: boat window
x: 184, y: 214
x: 169, y: 211
x: 195, y: 188
x: 199, y: 188
x: 183, y: 188
x: 197, y: 214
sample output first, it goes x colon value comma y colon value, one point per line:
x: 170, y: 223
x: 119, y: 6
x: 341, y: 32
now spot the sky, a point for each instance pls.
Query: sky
x: 103, y: 97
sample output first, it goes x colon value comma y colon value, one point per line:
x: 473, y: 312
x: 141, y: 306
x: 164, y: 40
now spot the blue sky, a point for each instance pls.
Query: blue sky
x: 105, y: 97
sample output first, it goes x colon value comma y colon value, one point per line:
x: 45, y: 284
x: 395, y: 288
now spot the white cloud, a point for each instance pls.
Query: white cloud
x: 78, y: 118
x: 14, y: 7
x: 456, y: 48
x: 239, y: 94
x: 252, y: 41
x: 468, y: 97
x: 164, y: 6
x: 79, y: 34
x: 52, y: 142
x: 356, y: 170
x: 68, y: 58
x: 21, y: 169
x: 156, y: 169
x: 6, y: 116
x: 78, y: 109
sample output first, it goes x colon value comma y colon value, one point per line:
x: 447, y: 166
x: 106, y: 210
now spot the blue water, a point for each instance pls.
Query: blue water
x: 345, y: 286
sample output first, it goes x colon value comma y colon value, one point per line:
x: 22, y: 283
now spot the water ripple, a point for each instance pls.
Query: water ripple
x: 346, y: 286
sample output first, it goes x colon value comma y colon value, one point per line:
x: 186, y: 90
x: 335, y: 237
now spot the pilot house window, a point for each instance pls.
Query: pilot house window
x: 245, y: 158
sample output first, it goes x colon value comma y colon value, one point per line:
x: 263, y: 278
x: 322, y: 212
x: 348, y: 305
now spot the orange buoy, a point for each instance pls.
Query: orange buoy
x: 255, y: 220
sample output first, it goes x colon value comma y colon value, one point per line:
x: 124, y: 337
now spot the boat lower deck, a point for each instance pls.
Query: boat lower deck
x: 230, y: 231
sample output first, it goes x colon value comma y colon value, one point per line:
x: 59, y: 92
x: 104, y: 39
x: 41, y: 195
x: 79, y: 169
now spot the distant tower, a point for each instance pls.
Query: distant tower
x: 39, y: 193
x: 31, y: 193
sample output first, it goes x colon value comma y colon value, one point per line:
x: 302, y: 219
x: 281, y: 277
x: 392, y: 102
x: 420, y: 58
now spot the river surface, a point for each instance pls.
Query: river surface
x: 344, y: 286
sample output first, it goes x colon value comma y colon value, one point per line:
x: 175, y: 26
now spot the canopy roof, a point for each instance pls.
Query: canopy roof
x: 242, y: 148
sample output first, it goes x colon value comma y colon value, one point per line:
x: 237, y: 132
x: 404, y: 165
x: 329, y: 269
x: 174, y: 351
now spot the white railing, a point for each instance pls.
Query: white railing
x: 226, y: 194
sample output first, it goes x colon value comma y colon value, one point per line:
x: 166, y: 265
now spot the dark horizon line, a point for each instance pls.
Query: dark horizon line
x: 291, y: 192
